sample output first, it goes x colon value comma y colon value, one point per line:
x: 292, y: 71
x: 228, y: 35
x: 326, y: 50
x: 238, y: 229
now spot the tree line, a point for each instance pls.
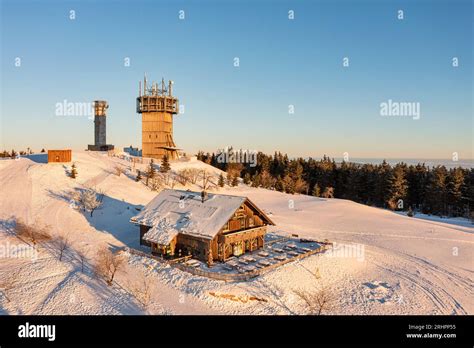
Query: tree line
x: 413, y: 188
x: 13, y: 153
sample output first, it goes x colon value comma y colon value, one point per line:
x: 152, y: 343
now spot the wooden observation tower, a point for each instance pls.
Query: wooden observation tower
x: 157, y: 106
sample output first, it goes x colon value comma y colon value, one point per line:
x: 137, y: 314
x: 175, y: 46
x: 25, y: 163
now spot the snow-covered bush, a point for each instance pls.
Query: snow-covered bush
x: 89, y: 199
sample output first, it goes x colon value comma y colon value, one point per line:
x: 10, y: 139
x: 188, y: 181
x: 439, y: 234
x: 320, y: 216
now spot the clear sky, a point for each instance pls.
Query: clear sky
x: 282, y: 62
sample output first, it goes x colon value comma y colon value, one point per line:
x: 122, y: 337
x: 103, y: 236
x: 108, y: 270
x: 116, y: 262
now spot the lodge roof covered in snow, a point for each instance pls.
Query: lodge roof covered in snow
x: 177, y: 211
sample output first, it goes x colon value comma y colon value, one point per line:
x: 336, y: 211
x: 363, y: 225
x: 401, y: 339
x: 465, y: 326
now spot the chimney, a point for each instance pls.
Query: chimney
x: 203, y: 196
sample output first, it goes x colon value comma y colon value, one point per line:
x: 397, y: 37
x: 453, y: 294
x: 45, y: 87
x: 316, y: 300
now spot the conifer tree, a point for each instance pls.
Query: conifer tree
x: 256, y: 180
x: 289, y: 184
x: 150, y: 174
x: 431, y: 190
x: 436, y: 191
x: 416, y: 181
x: 397, y: 188
x: 316, y: 190
x: 382, y: 184
x: 454, y: 188
x: 73, y: 171
x: 247, y: 179
x: 165, y: 164
x: 235, y: 181
x: 221, y: 180
x: 328, y: 192
x: 280, y: 185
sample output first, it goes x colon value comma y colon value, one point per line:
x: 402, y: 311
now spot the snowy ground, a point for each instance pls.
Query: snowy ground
x: 382, y: 263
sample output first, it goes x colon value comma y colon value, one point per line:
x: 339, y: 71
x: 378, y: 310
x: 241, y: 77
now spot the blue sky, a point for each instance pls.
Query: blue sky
x: 282, y: 62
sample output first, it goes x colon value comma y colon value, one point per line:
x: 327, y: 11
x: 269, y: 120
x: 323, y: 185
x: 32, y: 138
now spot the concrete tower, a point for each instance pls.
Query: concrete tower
x: 100, y: 142
x: 157, y: 106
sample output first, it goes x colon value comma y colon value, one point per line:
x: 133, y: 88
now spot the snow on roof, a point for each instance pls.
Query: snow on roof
x: 185, y: 213
x: 162, y: 233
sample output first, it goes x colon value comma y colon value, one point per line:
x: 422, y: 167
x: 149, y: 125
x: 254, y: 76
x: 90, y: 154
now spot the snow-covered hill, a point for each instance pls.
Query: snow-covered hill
x: 382, y: 262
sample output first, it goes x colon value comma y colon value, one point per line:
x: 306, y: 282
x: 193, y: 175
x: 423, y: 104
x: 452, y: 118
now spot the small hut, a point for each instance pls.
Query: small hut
x: 58, y: 156
x: 207, y: 226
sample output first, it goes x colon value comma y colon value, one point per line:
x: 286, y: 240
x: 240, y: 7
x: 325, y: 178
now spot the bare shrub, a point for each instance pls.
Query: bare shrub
x: 82, y: 256
x: 316, y: 274
x: 36, y: 233
x: 155, y: 183
x: 183, y: 177
x: 166, y: 176
x: 174, y: 179
x: 317, y: 302
x: 108, y: 264
x: 118, y: 170
x: 206, y: 177
x: 61, y: 244
x: 193, y: 174
x: 142, y: 290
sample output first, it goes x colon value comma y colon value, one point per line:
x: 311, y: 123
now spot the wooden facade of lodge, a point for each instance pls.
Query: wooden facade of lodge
x: 239, y: 226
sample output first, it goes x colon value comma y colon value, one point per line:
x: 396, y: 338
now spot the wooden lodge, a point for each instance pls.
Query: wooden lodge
x: 210, y: 227
x: 58, y: 156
